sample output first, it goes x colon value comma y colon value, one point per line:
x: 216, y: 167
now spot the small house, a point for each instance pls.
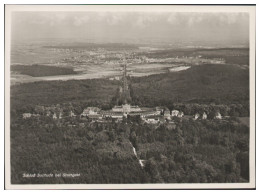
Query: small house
x: 175, y: 113
x: 54, y: 116
x: 152, y: 120
x: 180, y: 114
x: 196, y: 116
x: 159, y: 110
x: 167, y: 113
x: 48, y: 113
x: 218, y: 116
x: 72, y: 114
x: 90, y: 111
x: 60, y: 115
x: 204, y: 116
x: 26, y: 115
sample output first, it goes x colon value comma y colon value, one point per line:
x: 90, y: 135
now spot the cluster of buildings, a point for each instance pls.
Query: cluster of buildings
x: 54, y: 111
x: 205, y: 116
x: 53, y: 115
x: 198, y: 116
x: 29, y: 115
x: 148, y: 115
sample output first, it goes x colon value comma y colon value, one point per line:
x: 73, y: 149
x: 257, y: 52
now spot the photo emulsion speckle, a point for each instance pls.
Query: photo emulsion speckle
x: 114, y: 96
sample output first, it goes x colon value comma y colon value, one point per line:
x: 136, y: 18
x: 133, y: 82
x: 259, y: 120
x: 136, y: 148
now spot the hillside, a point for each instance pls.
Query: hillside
x: 220, y: 84
x: 201, y: 151
x: 210, y: 151
x: 92, y: 92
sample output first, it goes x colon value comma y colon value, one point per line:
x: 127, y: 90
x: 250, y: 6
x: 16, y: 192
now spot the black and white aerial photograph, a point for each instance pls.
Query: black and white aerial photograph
x: 130, y: 96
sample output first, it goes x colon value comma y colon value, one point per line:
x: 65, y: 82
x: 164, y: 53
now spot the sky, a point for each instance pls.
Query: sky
x: 132, y: 26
